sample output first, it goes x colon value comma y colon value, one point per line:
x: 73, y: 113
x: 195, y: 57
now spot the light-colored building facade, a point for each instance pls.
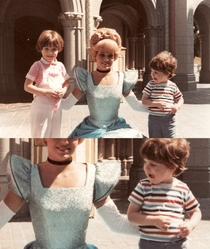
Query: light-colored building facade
x: 146, y: 27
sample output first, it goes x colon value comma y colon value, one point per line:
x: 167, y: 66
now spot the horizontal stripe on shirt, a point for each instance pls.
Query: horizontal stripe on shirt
x: 170, y: 200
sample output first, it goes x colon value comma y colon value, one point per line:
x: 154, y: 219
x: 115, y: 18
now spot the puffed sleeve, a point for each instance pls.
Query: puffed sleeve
x: 107, y: 176
x: 130, y: 79
x: 81, y: 76
x: 19, y: 176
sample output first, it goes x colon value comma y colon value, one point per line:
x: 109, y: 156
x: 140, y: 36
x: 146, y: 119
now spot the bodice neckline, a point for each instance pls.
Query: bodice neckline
x: 56, y: 188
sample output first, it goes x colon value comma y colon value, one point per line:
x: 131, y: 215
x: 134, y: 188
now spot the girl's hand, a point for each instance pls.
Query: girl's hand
x: 53, y: 94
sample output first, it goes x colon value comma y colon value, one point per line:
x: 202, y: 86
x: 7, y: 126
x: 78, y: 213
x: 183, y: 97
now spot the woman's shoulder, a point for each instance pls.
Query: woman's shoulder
x: 106, y: 177
x: 19, y: 175
x: 81, y: 76
x: 130, y: 78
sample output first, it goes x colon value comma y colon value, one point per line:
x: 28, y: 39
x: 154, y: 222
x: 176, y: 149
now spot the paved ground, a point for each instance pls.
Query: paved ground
x: 192, y: 120
x: 16, y: 234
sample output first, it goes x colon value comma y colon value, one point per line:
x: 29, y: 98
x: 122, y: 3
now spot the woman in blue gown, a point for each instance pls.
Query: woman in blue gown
x: 104, y: 89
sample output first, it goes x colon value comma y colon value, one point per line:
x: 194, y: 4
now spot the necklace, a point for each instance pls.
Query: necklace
x: 58, y: 162
x: 103, y: 71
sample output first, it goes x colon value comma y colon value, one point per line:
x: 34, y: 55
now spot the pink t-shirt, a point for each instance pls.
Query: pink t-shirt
x: 48, y: 75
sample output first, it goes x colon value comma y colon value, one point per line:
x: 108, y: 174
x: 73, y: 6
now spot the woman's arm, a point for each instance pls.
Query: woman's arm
x: 8, y: 207
x: 134, y: 103
x: 13, y: 201
x: 114, y: 219
x: 71, y: 99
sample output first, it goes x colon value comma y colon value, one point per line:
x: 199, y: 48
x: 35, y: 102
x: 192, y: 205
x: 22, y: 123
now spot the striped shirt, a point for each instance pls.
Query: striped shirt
x: 167, y: 92
x: 171, y: 200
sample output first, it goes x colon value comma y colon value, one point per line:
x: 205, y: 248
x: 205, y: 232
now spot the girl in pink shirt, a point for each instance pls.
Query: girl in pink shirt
x: 47, y: 80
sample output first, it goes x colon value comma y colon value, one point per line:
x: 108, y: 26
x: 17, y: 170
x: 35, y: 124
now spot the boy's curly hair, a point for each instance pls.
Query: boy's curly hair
x: 165, y: 63
x: 105, y: 38
x: 172, y: 152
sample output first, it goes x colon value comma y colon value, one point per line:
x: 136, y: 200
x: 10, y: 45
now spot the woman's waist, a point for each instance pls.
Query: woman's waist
x: 101, y: 122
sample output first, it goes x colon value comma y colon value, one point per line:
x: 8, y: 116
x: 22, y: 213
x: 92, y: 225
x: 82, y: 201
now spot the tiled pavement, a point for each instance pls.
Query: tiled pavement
x: 193, y: 122
x: 16, y: 234
x: 193, y: 118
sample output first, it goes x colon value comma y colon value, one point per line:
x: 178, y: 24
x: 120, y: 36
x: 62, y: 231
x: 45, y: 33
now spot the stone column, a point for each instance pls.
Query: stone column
x: 136, y: 171
x: 132, y: 52
x: 72, y: 39
x: 153, y: 45
x: 205, y: 69
x: 197, y: 175
x: 184, y: 45
x: 4, y: 156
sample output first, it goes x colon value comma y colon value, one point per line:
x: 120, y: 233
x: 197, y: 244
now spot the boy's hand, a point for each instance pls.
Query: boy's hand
x: 174, y: 109
x: 162, y: 222
x: 161, y: 105
x: 185, y: 229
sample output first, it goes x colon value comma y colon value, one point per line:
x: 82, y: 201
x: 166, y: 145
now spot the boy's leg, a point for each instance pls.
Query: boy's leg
x: 154, y: 124
x: 169, y: 126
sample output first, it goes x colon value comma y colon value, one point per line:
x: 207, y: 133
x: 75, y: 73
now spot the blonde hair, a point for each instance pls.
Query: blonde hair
x: 105, y: 39
x: 165, y: 63
x: 49, y: 38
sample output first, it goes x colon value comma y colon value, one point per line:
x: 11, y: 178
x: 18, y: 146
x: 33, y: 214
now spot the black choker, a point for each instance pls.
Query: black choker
x: 58, y: 162
x: 103, y: 71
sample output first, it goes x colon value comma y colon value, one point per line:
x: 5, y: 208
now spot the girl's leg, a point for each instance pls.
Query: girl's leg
x: 55, y: 124
x: 41, y: 114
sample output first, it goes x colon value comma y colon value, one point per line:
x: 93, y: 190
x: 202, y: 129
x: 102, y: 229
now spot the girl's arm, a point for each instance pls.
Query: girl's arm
x: 65, y: 88
x: 188, y: 226
x: 31, y: 88
x: 136, y: 217
x: 114, y: 219
x: 8, y: 207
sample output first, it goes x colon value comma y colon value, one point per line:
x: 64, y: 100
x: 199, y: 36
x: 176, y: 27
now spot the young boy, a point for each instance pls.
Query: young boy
x: 159, y: 202
x: 162, y: 97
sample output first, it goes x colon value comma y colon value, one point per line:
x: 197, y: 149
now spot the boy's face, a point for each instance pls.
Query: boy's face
x: 157, y: 172
x: 158, y: 76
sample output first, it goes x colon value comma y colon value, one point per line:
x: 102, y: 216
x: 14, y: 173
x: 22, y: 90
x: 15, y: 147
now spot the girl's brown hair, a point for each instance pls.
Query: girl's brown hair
x: 50, y: 38
x: 172, y: 152
x: 165, y: 63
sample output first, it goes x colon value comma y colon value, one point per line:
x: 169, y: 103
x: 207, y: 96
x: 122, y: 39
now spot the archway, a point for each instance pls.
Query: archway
x: 201, y: 17
x: 26, y: 32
